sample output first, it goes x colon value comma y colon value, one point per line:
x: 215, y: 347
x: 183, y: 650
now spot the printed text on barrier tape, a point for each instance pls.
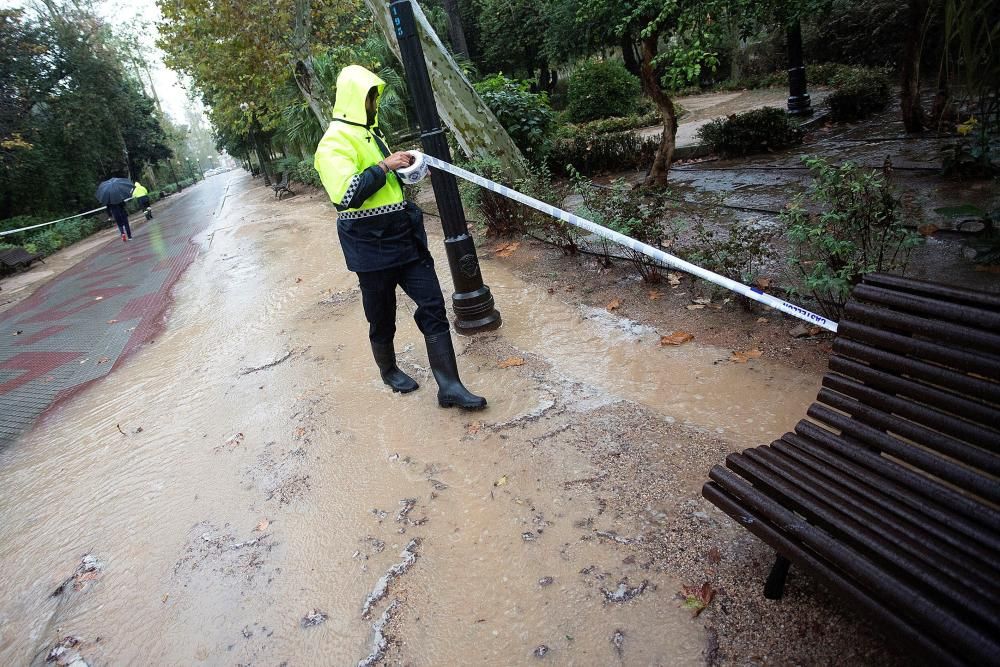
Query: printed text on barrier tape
x: 638, y: 246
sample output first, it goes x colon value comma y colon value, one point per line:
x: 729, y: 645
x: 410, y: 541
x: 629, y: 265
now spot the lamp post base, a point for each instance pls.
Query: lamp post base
x: 475, y: 311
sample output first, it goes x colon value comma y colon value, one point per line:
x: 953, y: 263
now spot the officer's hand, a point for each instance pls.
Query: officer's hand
x: 398, y: 160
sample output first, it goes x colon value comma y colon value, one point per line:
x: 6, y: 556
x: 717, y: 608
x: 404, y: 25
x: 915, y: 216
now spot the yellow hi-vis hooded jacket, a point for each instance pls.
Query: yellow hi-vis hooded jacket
x: 139, y: 191
x: 378, y: 229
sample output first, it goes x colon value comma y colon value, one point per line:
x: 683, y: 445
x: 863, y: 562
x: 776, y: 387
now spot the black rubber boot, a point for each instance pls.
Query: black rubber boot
x: 385, y: 357
x: 451, y: 391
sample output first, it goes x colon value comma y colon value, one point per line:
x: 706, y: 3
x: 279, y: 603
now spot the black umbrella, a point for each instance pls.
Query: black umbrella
x: 114, y: 191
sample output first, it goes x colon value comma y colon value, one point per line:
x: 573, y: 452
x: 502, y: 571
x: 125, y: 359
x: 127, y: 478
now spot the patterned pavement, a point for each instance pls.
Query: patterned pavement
x: 85, y: 321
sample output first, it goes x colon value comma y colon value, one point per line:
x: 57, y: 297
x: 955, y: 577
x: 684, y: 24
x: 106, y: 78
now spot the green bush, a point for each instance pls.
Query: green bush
x: 739, y: 252
x: 847, y: 223
x: 505, y: 217
x: 858, y: 93
x: 602, y: 153
x: 602, y: 90
x: 974, y: 154
x: 526, y: 116
x: 305, y: 172
x: 21, y: 221
x: 168, y: 189
x: 755, y: 131
x: 635, y: 213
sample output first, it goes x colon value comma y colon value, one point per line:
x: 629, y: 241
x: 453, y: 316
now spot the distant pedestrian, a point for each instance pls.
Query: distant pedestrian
x: 383, y: 238
x: 112, y: 193
x: 120, y: 216
x: 141, y: 195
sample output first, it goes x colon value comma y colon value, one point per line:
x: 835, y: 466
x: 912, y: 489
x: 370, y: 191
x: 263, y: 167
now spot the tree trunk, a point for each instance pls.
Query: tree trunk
x: 912, y: 109
x: 628, y: 55
x: 310, y: 85
x: 456, y: 32
x: 473, y: 125
x: 665, y: 153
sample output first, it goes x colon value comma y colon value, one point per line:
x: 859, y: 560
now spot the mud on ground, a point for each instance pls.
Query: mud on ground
x: 255, y: 495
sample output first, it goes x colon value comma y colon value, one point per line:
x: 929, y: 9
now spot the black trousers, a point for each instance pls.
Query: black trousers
x: 121, y: 219
x: 420, y: 282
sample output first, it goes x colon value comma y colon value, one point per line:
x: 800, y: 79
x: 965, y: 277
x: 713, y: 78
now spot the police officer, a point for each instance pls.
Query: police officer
x: 383, y: 238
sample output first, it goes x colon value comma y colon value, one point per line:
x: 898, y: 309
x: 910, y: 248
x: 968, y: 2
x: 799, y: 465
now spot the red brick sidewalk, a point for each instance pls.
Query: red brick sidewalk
x: 84, y: 322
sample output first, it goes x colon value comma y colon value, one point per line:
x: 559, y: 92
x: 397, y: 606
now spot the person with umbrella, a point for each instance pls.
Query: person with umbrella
x: 113, y: 193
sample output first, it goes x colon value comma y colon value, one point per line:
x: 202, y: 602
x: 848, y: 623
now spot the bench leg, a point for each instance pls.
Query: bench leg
x: 775, y: 586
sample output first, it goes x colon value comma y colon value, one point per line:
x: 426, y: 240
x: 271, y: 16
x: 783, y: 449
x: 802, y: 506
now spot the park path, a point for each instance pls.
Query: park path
x: 246, y: 490
x: 85, y: 321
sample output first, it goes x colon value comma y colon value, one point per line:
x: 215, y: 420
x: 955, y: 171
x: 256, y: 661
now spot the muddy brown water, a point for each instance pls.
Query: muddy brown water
x: 244, y: 496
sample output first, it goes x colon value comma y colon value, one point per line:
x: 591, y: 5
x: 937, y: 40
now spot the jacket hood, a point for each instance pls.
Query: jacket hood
x: 353, y: 84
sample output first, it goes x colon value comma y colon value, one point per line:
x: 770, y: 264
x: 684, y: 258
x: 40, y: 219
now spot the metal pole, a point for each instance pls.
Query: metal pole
x: 473, y: 302
x: 799, y: 103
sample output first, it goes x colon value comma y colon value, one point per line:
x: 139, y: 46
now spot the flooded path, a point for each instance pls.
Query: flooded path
x: 244, y: 490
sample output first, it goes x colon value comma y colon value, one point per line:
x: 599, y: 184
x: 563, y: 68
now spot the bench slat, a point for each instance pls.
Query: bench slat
x: 927, y: 462
x: 892, y: 554
x: 947, y: 293
x: 956, y: 335
x: 979, y: 363
x: 956, y: 404
x: 968, y: 432
x: 975, y: 388
x: 911, y: 534
x: 934, y: 652
x: 865, y: 413
x: 931, y: 489
x: 938, y: 310
x: 892, y: 591
x: 945, y: 524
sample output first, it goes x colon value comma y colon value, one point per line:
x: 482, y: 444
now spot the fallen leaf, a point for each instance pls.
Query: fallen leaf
x: 762, y: 320
x: 927, y: 230
x: 262, y: 526
x: 234, y: 440
x: 103, y: 360
x: 473, y: 428
x: 696, y: 306
x: 511, y: 361
x: 165, y: 598
x: 298, y: 280
x: 763, y: 283
x: 714, y: 556
x: 508, y: 249
x: 501, y: 481
x: 654, y: 295
x: 299, y: 432
x: 743, y: 357
x: 674, y: 279
x: 112, y: 321
x: 703, y: 301
x: 119, y: 427
x: 614, y: 305
x: 676, y: 338
x: 696, y: 598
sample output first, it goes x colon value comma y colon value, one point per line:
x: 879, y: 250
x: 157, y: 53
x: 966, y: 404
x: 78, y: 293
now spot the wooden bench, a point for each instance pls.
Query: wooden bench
x: 281, y: 187
x: 16, y: 259
x: 890, y: 491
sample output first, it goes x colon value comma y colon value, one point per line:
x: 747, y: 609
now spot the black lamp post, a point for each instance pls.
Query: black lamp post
x: 799, y: 103
x: 472, y: 300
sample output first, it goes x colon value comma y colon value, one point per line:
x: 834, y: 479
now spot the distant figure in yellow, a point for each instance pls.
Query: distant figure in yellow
x: 142, y: 195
